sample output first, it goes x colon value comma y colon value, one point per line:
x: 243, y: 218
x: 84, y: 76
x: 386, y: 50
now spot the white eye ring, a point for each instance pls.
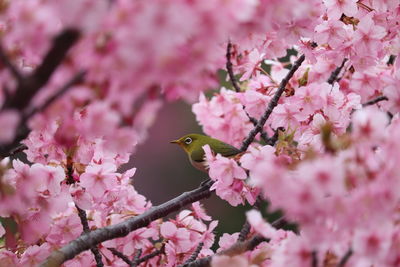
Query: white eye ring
x: 188, y: 140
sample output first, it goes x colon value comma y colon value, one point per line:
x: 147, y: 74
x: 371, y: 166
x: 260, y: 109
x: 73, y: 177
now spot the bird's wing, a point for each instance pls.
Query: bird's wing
x: 197, y: 155
x: 225, y: 149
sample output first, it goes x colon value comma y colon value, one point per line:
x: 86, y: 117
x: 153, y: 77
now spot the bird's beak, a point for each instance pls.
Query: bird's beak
x: 174, y: 142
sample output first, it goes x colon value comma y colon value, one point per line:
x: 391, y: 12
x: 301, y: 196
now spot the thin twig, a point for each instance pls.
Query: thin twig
x: 195, y: 254
x: 314, y: 259
x: 391, y: 60
x: 272, y: 141
x: 271, y: 105
x: 235, y: 85
x: 229, y: 67
x: 236, y: 249
x: 122, y: 257
x: 121, y: 229
x: 244, y: 232
x: 375, y: 100
x: 345, y: 258
x: 150, y: 256
x: 263, y: 134
x: 18, y: 149
x: 137, y: 255
x: 335, y: 73
x: 96, y: 253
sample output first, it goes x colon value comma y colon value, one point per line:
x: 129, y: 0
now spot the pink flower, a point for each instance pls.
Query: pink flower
x: 34, y: 255
x: 288, y: 115
x: 97, y: 179
x: 330, y: 32
x: 226, y: 170
x: 199, y: 211
x: 367, y: 37
x: 9, y: 120
x: 260, y: 226
x: 51, y: 177
x: 254, y: 60
x: 179, y: 236
x: 310, y: 98
x: 338, y: 7
x: 227, y: 240
x: 369, y: 124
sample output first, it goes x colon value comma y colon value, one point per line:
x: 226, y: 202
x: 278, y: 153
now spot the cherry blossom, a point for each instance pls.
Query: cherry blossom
x: 327, y: 155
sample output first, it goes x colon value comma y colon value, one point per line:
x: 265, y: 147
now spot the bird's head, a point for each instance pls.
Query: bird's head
x: 190, y: 142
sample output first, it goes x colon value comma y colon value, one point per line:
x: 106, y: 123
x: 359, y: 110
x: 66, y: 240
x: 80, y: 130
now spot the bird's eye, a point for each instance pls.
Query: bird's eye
x: 188, y: 140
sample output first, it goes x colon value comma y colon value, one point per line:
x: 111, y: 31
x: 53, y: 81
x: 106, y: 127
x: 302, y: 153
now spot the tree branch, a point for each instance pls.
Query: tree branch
x: 229, y: 67
x: 95, y: 237
x: 272, y: 104
x: 76, y: 79
x: 272, y: 141
x: 236, y: 249
x: 122, y: 257
x: 7, y: 63
x: 345, y: 258
x: 335, y: 73
x: 86, y: 229
x: 28, y: 87
x: 235, y: 85
x: 150, y: 256
x: 195, y: 254
x: 375, y: 100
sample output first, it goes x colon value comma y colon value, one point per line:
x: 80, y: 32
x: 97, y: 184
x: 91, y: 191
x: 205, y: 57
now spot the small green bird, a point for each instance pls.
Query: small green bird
x: 193, y: 144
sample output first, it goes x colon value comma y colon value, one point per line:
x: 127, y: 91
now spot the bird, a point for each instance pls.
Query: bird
x: 193, y: 144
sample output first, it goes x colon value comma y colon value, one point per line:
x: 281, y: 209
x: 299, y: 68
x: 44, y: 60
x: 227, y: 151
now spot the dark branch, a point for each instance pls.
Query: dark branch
x: 137, y: 255
x: 236, y: 249
x: 314, y: 259
x: 86, y: 229
x: 95, y: 237
x: 29, y: 86
x: 122, y: 257
x: 195, y: 254
x: 272, y: 141
x: 263, y: 134
x: 235, y: 85
x: 244, y: 232
x: 391, y: 60
x: 18, y: 149
x: 335, y: 73
x: 345, y: 258
x: 272, y: 104
x: 7, y: 63
x: 150, y: 256
x: 229, y: 67
x: 375, y: 100
x: 76, y: 79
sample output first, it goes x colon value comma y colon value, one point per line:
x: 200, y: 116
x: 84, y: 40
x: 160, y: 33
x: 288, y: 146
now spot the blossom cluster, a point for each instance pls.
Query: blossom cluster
x: 333, y: 169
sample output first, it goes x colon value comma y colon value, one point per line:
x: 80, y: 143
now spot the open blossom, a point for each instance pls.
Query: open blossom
x: 251, y: 66
x: 99, y: 178
x: 228, y: 177
x: 180, y: 236
x: 9, y: 120
x: 338, y: 7
x: 338, y: 184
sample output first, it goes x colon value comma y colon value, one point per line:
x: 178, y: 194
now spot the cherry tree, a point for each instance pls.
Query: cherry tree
x: 312, y: 105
